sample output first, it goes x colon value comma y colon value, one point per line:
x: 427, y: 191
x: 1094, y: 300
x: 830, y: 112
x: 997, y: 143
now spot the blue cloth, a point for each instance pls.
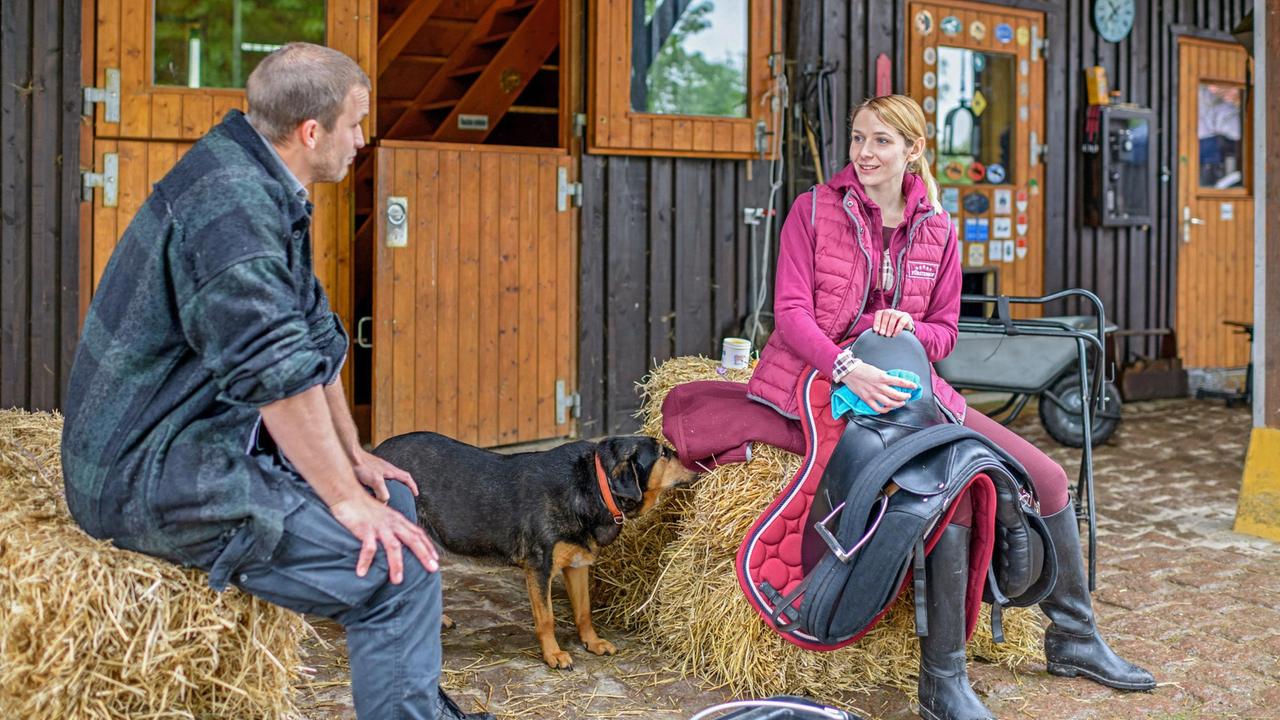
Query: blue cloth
x: 393, y: 631
x: 843, y: 400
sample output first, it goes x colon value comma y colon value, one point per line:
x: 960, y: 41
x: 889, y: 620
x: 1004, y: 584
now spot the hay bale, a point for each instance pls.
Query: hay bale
x: 689, y: 604
x: 91, y: 631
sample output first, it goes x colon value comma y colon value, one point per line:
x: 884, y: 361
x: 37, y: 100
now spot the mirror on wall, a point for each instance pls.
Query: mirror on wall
x: 975, y: 137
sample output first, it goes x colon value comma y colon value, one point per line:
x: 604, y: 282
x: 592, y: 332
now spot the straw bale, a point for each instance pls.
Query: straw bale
x: 687, y: 602
x: 91, y: 631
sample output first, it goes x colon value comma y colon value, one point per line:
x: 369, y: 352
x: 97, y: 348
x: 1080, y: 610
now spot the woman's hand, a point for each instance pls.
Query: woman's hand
x: 890, y: 322
x: 877, y: 388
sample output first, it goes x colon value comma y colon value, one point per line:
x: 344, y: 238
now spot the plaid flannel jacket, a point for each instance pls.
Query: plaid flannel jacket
x: 208, y: 309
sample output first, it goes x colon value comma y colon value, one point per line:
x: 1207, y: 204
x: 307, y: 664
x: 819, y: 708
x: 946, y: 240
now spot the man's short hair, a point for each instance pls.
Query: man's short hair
x: 300, y: 82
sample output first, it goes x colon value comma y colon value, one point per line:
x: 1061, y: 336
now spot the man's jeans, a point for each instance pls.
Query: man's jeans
x: 393, y: 631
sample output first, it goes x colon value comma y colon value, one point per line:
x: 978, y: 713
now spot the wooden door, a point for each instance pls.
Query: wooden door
x: 475, y: 316
x: 978, y: 70
x: 1215, y: 204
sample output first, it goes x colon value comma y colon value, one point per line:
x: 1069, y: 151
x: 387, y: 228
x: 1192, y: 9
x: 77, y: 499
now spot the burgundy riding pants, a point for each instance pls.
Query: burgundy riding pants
x: 1048, y: 476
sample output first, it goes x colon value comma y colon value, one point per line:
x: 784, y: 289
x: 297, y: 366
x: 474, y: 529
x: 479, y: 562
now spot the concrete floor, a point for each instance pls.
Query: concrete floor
x: 1178, y: 592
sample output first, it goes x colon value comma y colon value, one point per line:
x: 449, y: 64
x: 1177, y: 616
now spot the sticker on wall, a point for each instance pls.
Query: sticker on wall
x: 930, y: 80
x: 929, y: 104
x: 1023, y: 113
x: 1020, y: 200
x: 1004, y: 201
x: 951, y: 200
x: 1024, y: 68
x: 1226, y: 211
x: 1034, y: 186
x: 995, y: 173
x: 978, y: 30
x: 953, y: 171
x: 979, y: 62
x: 929, y: 129
x: 1004, y: 33
x: 1024, y: 36
x: 976, y: 203
x: 977, y: 171
x: 1022, y: 225
x: 977, y: 229
x: 1020, y: 247
x: 1002, y: 227
x: 1024, y: 89
x: 1008, y: 250
x: 995, y: 251
x: 977, y: 254
x: 951, y: 25
x: 930, y: 56
x: 979, y: 105
x: 924, y: 22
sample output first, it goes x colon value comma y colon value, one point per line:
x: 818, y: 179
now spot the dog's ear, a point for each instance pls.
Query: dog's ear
x: 627, y: 461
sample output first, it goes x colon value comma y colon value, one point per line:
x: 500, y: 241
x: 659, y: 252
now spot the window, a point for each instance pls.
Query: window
x: 680, y: 77
x: 1220, y: 128
x: 217, y: 43
x: 975, y: 131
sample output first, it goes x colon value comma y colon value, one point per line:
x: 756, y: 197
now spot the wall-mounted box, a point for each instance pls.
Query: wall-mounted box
x: 1119, y: 167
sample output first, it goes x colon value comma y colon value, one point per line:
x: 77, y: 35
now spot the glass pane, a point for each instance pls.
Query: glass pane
x: 217, y: 43
x: 1130, y: 140
x: 1220, y: 127
x: 976, y: 126
x: 689, y: 57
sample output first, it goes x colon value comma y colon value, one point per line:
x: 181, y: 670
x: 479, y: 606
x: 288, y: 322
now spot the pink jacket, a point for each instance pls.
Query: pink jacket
x: 825, y: 264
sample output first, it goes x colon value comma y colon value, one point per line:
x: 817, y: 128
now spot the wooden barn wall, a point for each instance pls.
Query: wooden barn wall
x: 664, y: 271
x: 1133, y: 270
x: 39, y: 198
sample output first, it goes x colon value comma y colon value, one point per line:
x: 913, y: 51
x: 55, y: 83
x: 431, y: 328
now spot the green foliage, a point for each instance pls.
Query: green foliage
x: 223, y: 63
x: 689, y: 83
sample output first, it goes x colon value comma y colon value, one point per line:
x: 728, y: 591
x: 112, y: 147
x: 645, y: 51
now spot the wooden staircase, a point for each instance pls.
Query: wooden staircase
x: 478, y: 82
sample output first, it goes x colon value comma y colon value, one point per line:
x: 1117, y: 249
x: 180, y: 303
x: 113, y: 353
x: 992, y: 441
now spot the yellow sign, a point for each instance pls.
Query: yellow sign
x: 979, y: 103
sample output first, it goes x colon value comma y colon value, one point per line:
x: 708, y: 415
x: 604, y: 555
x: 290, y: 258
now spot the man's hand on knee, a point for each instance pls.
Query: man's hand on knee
x: 373, y: 523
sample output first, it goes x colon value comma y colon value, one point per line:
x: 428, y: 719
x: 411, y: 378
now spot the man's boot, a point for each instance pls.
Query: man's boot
x: 447, y: 709
x: 945, y: 692
x: 1072, y: 645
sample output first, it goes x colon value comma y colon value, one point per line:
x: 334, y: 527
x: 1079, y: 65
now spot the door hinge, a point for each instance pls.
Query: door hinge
x: 1038, y: 150
x: 108, y: 180
x: 566, y: 189
x: 109, y: 96
x: 1039, y: 45
x: 579, y: 124
x: 565, y: 402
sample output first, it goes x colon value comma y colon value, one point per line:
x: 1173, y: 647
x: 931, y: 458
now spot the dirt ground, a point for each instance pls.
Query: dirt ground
x: 1178, y: 592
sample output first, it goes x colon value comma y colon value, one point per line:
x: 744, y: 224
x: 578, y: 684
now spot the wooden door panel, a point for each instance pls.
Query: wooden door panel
x: 1022, y: 272
x: 125, y: 39
x: 473, y: 320
x: 1215, y: 259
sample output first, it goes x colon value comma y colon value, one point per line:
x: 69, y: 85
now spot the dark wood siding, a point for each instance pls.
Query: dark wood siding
x: 664, y: 271
x: 1132, y: 270
x: 39, y: 198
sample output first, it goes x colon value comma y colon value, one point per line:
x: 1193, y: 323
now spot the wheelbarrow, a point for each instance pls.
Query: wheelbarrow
x: 1057, y: 359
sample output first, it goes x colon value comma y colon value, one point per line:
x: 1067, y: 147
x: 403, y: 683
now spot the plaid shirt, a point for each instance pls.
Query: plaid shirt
x: 208, y: 309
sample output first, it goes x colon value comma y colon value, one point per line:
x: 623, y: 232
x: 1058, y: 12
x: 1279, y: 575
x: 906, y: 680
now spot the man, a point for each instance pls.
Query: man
x: 206, y: 423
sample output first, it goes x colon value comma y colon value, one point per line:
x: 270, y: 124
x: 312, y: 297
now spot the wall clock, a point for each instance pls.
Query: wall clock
x: 1113, y: 18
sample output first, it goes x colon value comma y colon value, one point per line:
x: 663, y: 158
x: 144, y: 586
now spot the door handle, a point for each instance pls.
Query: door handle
x: 397, y: 214
x: 1187, y: 222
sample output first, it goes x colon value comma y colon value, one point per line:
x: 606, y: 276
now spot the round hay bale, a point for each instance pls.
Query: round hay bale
x: 91, y: 631
x: 670, y: 577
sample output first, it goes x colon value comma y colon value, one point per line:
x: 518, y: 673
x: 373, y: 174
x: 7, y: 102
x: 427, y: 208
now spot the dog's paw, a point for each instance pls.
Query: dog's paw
x: 600, y: 647
x: 558, y: 659
x: 446, y: 622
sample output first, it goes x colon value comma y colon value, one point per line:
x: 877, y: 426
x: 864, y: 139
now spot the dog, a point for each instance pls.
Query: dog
x: 547, y: 512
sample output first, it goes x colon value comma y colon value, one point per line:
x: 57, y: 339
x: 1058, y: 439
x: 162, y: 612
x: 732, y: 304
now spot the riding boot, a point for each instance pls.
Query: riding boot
x: 945, y: 692
x: 447, y: 709
x: 1072, y: 645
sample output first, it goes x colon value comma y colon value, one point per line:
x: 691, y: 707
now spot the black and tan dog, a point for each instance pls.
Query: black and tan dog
x: 547, y: 512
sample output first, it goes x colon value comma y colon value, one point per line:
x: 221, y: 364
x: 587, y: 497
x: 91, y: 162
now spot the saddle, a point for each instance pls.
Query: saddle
x: 828, y: 557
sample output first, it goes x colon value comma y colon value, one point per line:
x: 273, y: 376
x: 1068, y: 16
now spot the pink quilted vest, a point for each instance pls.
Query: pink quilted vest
x: 843, y: 263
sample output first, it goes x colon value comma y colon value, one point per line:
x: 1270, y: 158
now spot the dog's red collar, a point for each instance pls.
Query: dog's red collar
x: 603, y: 481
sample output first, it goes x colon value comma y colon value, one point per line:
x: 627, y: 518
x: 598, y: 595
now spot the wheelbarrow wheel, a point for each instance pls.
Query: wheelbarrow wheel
x: 1060, y: 413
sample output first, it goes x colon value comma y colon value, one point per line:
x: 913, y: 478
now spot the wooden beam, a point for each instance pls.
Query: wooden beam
x: 403, y: 30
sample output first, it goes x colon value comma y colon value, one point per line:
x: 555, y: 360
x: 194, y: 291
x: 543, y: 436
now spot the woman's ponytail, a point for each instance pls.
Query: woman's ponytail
x: 921, y: 168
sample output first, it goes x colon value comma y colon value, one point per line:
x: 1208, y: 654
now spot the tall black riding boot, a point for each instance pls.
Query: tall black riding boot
x: 945, y: 692
x: 1072, y: 645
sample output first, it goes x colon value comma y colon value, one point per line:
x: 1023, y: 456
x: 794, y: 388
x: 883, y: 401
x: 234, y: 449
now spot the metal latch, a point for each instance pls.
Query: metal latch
x: 1038, y: 150
x: 579, y: 124
x: 397, y: 221
x: 565, y: 189
x: 108, y: 180
x: 565, y: 402
x: 1039, y: 45
x: 109, y: 96
x: 362, y: 340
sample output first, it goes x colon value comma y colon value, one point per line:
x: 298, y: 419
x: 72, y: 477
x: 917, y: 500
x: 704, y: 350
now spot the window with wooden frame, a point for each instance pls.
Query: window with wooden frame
x: 683, y: 78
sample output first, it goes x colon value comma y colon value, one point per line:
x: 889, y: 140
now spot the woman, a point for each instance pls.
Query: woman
x: 872, y: 249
